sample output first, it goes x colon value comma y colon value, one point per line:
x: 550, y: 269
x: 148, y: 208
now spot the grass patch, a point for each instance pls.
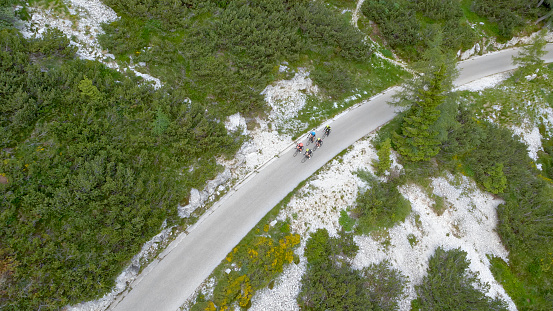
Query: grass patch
x: 512, y: 285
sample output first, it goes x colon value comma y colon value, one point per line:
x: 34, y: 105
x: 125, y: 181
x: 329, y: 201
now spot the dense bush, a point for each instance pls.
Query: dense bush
x: 396, y: 21
x: 380, y: 206
x: 333, y: 79
x: 441, y: 10
x: 254, y: 264
x: 405, y: 25
x: 509, y: 14
x: 90, y: 172
x: 331, y: 284
x: 525, y: 225
x: 226, y: 52
x: 386, y: 285
x: 451, y: 285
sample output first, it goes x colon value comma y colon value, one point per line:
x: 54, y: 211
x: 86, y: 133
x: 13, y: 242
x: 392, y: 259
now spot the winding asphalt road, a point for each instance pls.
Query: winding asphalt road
x: 168, y: 281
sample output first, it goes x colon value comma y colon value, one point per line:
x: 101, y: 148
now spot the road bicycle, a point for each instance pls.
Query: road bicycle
x: 310, y: 139
x: 326, y: 133
x: 298, y: 150
x: 318, y: 144
x: 306, y: 157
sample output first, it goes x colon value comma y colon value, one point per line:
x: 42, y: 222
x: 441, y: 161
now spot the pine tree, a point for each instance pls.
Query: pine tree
x: 529, y: 59
x: 161, y: 123
x: 418, y: 137
x: 418, y: 141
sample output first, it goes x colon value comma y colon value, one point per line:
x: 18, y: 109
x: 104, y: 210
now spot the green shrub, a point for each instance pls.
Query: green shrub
x: 331, y: 284
x: 89, y: 182
x: 7, y: 17
x: 494, y: 180
x: 332, y: 287
x: 451, y: 285
x: 380, y: 206
x: 333, y: 79
x: 318, y: 249
x: 384, y: 161
x: 328, y: 284
x: 396, y: 20
x: 225, y: 53
x: 439, y: 9
x: 345, y: 221
x: 385, y: 285
x: 509, y: 15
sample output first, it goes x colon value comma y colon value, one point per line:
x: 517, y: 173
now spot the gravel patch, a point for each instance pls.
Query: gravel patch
x: 531, y: 137
x: 288, y: 97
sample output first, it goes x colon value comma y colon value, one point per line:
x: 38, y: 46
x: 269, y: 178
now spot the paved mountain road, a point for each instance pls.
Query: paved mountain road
x: 190, y: 258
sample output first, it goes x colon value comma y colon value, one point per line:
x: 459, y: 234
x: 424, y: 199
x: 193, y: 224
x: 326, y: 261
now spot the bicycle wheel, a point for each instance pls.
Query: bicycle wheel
x: 304, y: 159
x: 296, y: 152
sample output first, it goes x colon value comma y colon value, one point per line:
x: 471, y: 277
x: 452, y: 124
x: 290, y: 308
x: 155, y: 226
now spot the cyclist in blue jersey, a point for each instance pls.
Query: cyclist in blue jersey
x: 312, y: 135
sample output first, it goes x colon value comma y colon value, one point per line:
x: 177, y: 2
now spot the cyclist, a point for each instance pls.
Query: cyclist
x: 299, y: 147
x: 319, y: 142
x: 327, y: 130
x: 312, y: 135
x: 308, y: 153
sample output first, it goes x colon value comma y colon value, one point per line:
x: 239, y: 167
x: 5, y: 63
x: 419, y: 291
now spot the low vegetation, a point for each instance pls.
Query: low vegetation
x: 331, y: 284
x: 226, y: 52
x: 402, y: 23
x: 450, y: 285
x: 380, y: 206
x: 92, y: 165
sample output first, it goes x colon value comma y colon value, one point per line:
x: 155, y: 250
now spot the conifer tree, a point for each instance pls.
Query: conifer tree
x: 529, y: 59
x: 418, y: 139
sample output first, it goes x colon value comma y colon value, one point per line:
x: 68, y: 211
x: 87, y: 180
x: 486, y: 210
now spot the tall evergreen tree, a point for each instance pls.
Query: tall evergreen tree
x: 418, y: 138
x: 529, y: 59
